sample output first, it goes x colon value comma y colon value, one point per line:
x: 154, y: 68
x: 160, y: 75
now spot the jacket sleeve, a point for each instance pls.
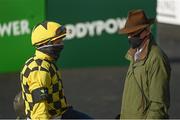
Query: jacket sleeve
x: 39, y: 79
x: 159, y: 75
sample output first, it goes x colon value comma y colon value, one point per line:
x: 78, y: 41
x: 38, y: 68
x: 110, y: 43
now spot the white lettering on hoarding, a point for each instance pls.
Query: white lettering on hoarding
x: 111, y: 26
x: 77, y: 30
x: 94, y: 28
x: 81, y: 30
x: 14, y: 28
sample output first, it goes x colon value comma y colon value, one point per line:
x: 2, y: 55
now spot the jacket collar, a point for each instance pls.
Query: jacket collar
x: 42, y: 55
x: 144, y: 53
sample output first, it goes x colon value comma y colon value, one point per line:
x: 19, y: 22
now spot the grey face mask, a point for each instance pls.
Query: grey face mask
x: 53, y: 50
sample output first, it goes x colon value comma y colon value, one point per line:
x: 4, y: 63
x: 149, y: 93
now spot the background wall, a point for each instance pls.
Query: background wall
x: 168, y: 36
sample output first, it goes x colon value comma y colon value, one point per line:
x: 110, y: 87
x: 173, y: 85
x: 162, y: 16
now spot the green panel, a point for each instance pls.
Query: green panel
x: 17, y: 18
x: 97, y: 50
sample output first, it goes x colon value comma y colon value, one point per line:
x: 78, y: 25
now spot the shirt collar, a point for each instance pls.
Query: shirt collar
x: 142, y: 55
x: 42, y: 55
x: 137, y: 54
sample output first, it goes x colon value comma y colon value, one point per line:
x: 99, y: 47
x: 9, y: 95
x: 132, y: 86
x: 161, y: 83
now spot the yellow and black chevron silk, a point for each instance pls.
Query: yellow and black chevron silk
x: 40, y: 73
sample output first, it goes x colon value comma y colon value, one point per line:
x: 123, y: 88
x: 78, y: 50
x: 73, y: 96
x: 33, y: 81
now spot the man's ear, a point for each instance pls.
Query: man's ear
x: 146, y: 32
x: 148, y: 29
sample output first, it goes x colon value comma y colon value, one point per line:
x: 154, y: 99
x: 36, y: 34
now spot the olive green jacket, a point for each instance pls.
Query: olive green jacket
x: 146, y: 90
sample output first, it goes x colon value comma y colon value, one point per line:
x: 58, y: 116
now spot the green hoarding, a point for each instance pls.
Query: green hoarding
x: 17, y: 17
x: 93, y: 41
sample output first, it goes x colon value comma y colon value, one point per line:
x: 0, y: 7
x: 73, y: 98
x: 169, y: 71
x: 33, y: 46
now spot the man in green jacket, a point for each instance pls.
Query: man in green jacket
x: 146, y: 91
